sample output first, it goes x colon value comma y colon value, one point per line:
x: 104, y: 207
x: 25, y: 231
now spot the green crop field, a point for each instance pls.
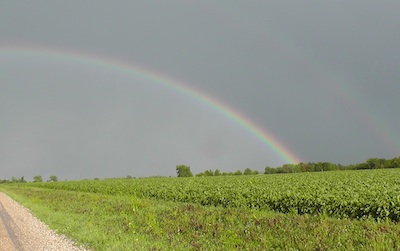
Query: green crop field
x: 354, y: 194
x: 340, y: 210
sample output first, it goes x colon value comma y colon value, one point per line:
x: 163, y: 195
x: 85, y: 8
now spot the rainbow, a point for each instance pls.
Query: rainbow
x: 323, y: 76
x: 129, y: 68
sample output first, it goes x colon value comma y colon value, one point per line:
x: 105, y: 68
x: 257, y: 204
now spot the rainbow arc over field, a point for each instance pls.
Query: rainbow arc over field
x: 267, y: 138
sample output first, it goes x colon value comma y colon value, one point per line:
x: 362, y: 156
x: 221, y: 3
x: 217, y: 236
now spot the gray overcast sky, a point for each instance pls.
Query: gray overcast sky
x: 321, y: 76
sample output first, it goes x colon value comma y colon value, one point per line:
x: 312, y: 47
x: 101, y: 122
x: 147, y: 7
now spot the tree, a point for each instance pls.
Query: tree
x: 53, y: 178
x: 393, y: 163
x: 238, y: 172
x: 290, y: 168
x: 183, y: 171
x: 269, y: 170
x: 208, y: 173
x: 248, y: 171
x: 327, y: 166
x: 37, y: 178
x: 217, y: 173
x: 375, y: 163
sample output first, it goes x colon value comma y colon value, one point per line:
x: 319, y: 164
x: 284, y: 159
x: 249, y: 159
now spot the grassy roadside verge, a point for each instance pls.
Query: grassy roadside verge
x: 103, y: 222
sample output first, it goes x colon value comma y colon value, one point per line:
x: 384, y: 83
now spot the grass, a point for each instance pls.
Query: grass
x: 104, y: 222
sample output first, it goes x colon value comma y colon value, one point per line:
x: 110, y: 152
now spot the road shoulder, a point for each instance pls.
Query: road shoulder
x: 20, y: 230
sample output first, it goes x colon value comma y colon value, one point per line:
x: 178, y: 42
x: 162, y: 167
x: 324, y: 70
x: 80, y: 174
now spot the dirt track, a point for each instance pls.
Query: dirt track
x: 8, y: 239
x: 20, y: 230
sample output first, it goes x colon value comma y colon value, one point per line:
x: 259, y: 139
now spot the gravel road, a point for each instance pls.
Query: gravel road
x: 20, y: 230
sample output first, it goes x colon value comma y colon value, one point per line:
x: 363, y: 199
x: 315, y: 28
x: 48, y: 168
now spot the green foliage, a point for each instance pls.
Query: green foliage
x: 238, y: 172
x: 217, y: 172
x: 352, y: 194
x: 248, y: 171
x: 269, y: 170
x: 205, y: 173
x: 183, y: 171
x: 372, y: 163
x: 37, y: 178
x: 53, y: 178
x: 104, y: 222
x: 14, y: 180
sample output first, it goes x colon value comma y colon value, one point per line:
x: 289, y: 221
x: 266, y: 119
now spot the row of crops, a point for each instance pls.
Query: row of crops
x: 352, y: 194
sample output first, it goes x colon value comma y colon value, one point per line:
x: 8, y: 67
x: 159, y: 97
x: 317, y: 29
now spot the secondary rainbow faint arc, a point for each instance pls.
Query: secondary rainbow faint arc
x: 127, y: 67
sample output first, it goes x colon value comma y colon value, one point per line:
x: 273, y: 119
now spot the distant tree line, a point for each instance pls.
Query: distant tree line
x: 184, y: 171
x: 372, y: 163
x: 14, y: 180
x: 217, y: 172
x: 36, y: 178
